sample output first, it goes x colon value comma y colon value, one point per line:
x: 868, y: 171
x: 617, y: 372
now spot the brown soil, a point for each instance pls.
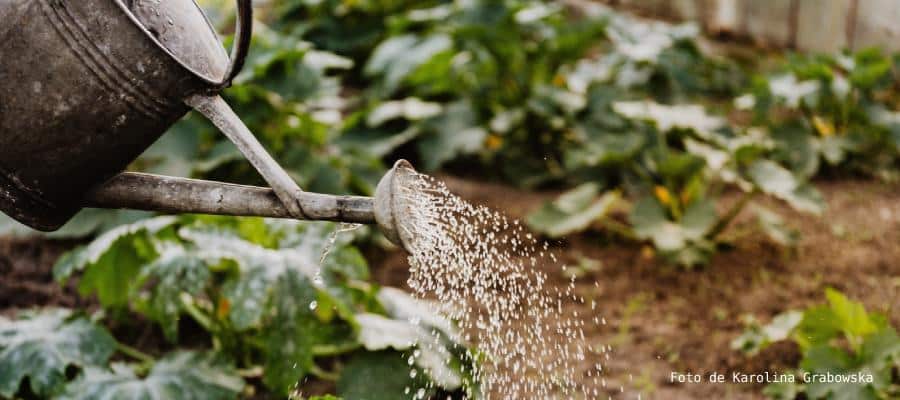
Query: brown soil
x: 660, y: 319
x: 26, y: 275
x: 663, y: 319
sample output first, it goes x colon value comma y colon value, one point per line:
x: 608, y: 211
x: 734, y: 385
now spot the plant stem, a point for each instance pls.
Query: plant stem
x: 328, y: 350
x: 322, y: 374
x: 135, y: 353
x: 197, y: 314
x: 619, y: 228
x: 731, y: 214
x: 252, y: 372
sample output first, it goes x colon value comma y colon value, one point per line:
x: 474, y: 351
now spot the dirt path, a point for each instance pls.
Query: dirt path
x: 663, y: 319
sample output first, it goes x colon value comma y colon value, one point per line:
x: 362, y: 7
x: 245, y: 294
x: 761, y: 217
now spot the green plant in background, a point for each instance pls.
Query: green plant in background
x: 832, y: 109
x: 490, y: 70
x: 840, y: 339
x: 673, y: 162
x: 270, y: 302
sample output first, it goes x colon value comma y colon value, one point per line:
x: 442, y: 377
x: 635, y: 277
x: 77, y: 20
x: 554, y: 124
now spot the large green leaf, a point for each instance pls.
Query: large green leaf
x: 398, y: 57
x: 776, y: 228
x: 852, y: 317
x: 177, y: 270
x: 290, y: 333
x: 41, y: 346
x: 699, y: 218
x: 573, y: 211
x: 383, y: 375
x: 453, y: 133
x: 181, y: 375
x: 824, y: 360
x: 379, y: 333
x: 649, y: 221
x: 112, y: 261
x: 666, y: 118
x: 776, y: 180
x: 756, y: 337
x: 88, y: 222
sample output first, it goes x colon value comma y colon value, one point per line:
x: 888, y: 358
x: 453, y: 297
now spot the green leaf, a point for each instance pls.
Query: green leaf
x: 398, y: 57
x: 290, y: 333
x: 112, y: 262
x: 784, y: 390
x: 854, y: 321
x: 380, y: 333
x: 699, y: 218
x: 180, y: 375
x: 605, y: 149
x: 177, y: 270
x: 87, y: 222
x: 383, y: 375
x: 691, y: 117
x: 775, y: 227
x: 774, y: 179
x: 881, y: 349
x: 41, y: 346
x: 402, y: 306
x: 91, y: 255
x: 573, y: 211
x: 453, y: 133
x: 823, y: 360
x: 819, y: 326
x: 411, y: 109
x: 650, y: 222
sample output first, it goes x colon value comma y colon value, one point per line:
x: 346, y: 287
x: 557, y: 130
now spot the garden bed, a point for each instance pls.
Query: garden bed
x: 663, y: 319
x: 660, y: 319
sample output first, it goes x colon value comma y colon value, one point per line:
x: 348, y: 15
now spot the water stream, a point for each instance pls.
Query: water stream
x: 489, y: 274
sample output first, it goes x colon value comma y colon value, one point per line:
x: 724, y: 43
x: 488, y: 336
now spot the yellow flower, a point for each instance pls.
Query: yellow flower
x: 223, y: 308
x: 824, y: 127
x: 559, y: 80
x: 662, y: 194
x: 493, y: 142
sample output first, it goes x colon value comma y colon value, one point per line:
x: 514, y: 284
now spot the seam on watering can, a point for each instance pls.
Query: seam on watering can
x: 110, y: 75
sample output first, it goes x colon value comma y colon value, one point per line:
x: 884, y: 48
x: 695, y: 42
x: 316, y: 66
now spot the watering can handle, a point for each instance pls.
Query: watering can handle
x: 242, y: 34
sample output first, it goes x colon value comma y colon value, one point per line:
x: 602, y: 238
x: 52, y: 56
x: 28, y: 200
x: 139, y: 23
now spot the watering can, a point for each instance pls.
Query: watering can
x: 87, y: 85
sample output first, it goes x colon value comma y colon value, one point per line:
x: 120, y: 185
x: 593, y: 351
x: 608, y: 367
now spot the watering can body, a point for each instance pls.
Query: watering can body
x: 86, y: 86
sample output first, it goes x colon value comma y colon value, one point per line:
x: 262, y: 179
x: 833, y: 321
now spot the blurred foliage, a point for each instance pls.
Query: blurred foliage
x: 841, y: 339
x: 829, y: 112
x: 267, y: 297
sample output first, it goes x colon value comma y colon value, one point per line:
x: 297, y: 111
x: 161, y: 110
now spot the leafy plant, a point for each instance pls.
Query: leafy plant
x: 673, y: 161
x: 42, y: 346
x: 180, y: 375
x: 833, y: 111
x: 265, y: 295
x: 848, y: 353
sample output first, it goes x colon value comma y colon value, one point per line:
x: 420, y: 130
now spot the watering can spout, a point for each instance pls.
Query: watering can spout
x: 172, y: 195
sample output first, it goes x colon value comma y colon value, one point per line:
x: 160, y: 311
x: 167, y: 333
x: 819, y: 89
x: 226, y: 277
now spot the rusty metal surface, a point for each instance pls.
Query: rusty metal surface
x: 84, y: 90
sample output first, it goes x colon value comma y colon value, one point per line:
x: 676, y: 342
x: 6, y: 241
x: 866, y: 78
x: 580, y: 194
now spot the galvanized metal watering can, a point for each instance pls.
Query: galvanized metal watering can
x: 87, y: 85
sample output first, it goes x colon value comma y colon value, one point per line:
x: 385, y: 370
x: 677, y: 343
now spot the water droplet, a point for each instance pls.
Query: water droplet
x: 313, y: 305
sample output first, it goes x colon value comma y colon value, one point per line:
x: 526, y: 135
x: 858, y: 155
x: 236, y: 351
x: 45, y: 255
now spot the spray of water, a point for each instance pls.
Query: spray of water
x: 482, y: 270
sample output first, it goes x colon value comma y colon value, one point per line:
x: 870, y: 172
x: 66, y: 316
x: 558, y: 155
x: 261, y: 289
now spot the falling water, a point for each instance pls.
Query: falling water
x: 482, y: 270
